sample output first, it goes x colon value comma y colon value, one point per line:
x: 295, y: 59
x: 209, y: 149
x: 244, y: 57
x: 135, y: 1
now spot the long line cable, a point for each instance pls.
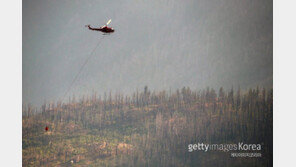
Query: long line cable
x: 81, y: 68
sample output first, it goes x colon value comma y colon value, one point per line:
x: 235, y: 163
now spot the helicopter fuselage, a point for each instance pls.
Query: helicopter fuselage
x: 104, y: 29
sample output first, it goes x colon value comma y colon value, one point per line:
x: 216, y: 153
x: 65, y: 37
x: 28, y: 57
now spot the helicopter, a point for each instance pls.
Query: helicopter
x: 105, y: 29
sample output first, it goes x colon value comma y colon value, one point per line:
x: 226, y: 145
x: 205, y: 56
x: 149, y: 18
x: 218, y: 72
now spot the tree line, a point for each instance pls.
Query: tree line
x: 151, y: 128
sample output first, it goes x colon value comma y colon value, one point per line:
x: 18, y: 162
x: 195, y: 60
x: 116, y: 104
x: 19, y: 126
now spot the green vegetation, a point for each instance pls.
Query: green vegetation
x: 149, y: 129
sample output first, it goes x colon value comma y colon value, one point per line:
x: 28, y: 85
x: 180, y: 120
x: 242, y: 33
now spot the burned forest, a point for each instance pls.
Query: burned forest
x: 148, y: 128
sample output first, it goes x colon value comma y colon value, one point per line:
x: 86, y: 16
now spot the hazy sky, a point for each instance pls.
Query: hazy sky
x: 164, y: 44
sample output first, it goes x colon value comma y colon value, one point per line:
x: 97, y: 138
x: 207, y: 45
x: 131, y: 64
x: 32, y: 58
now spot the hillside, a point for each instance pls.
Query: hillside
x: 148, y: 128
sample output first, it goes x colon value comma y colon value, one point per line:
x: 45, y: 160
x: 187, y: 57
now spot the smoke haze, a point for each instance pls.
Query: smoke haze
x: 164, y: 44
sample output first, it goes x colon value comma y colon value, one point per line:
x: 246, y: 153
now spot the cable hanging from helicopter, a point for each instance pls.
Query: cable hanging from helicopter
x: 106, y: 30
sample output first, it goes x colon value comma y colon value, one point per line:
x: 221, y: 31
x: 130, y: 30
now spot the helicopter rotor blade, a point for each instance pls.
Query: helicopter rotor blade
x: 108, y: 22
